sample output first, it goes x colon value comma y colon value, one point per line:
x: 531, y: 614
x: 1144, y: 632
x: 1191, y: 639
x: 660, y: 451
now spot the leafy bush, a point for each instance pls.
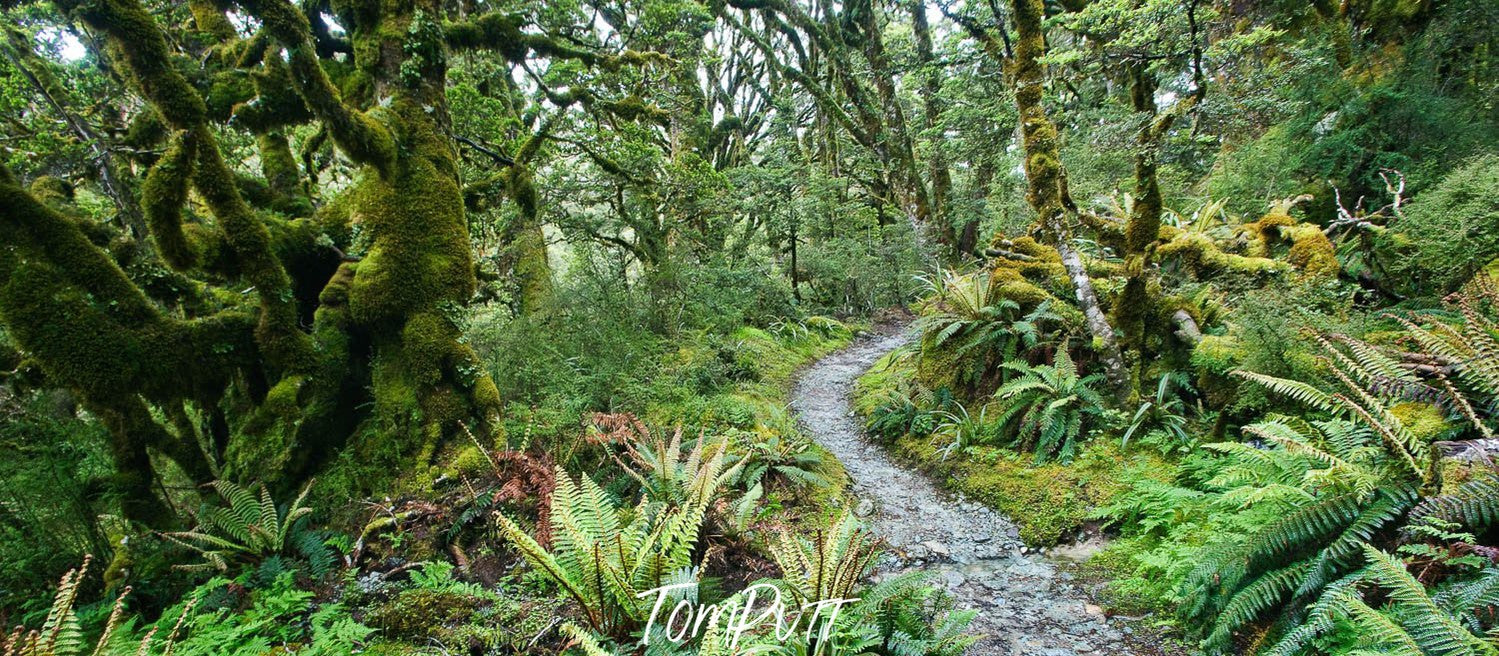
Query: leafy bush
x: 856, y: 275
x: 212, y: 622
x: 1452, y: 229
x: 52, y: 482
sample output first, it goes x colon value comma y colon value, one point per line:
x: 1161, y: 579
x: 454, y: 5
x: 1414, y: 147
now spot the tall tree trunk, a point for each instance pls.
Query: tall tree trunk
x: 983, y: 179
x: 1043, y: 171
x: 1132, y: 310
x: 931, y: 85
x: 893, y: 129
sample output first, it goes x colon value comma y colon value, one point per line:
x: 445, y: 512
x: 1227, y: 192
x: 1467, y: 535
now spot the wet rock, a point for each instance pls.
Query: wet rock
x: 953, y: 579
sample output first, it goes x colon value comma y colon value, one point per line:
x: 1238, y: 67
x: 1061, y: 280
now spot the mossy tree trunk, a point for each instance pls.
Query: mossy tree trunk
x: 313, y: 329
x: 1047, y: 180
x: 1135, y: 311
x: 937, y: 169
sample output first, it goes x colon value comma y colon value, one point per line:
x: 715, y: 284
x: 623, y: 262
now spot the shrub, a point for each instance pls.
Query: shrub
x: 1452, y: 228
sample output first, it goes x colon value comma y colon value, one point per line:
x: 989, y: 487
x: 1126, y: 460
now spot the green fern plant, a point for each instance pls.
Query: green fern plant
x: 1469, y: 350
x: 1474, y: 505
x: 1342, y: 481
x: 960, y: 430
x: 829, y: 563
x: 1359, y: 373
x: 899, y: 616
x: 776, y: 459
x: 671, y: 469
x: 1410, y: 621
x: 251, y: 528
x: 902, y: 615
x: 60, y: 633
x: 968, y: 320
x: 602, y: 555
x: 909, y: 409
x: 1161, y: 421
x: 1048, y: 407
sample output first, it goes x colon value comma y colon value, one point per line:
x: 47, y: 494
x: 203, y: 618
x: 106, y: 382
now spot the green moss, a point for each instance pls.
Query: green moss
x: 1218, y: 354
x: 134, y: 37
x: 1424, y: 421
x: 419, y: 257
x: 1202, y: 257
x: 421, y: 613
x: 1048, y: 502
x: 163, y: 196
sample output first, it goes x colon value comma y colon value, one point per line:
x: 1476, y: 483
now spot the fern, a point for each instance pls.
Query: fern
x: 603, y: 556
x: 249, y: 529
x: 1474, y: 505
x: 1266, y: 592
x: 1046, y: 408
x: 827, y: 564
x: 60, y: 633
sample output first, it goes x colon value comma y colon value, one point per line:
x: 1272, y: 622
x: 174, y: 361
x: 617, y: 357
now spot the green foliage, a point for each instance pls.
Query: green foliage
x: 863, y: 273
x: 1281, y: 523
x: 1046, y: 408
x: 1411, y: 621
x: 603, y: 555
x: 281, y: 615
x: 1161, y: 422
x: 1450, y: 229
x: 50, y: 494
x: 60, y: 633
x: 830, y: 563
x: 969, y: 326
x: 781, y: 460
x: 250, y: 529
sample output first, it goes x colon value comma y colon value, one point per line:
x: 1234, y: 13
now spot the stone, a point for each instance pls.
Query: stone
x: 953, y: 578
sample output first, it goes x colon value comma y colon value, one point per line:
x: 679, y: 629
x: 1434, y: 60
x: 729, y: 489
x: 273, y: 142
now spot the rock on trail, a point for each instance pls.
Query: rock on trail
x: 1026, y: 607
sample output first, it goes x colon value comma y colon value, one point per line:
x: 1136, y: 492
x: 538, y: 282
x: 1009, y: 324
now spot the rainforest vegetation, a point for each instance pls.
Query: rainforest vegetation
x: 449, y: 327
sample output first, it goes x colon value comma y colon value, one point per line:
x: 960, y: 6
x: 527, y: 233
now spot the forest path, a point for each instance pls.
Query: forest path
x: 1026, y: 607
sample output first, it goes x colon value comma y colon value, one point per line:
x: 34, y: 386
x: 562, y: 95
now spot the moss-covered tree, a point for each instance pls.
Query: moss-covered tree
x: 320, y: 317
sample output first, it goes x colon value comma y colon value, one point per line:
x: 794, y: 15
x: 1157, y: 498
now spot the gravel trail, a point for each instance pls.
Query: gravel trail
x: 1026, y: 606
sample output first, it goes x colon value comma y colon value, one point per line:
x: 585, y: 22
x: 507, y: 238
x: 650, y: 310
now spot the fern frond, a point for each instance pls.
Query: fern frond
x: 1429, y: 626
x: 1264, y: 593
x: 1474, y: 505
x: 1295, y: 390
